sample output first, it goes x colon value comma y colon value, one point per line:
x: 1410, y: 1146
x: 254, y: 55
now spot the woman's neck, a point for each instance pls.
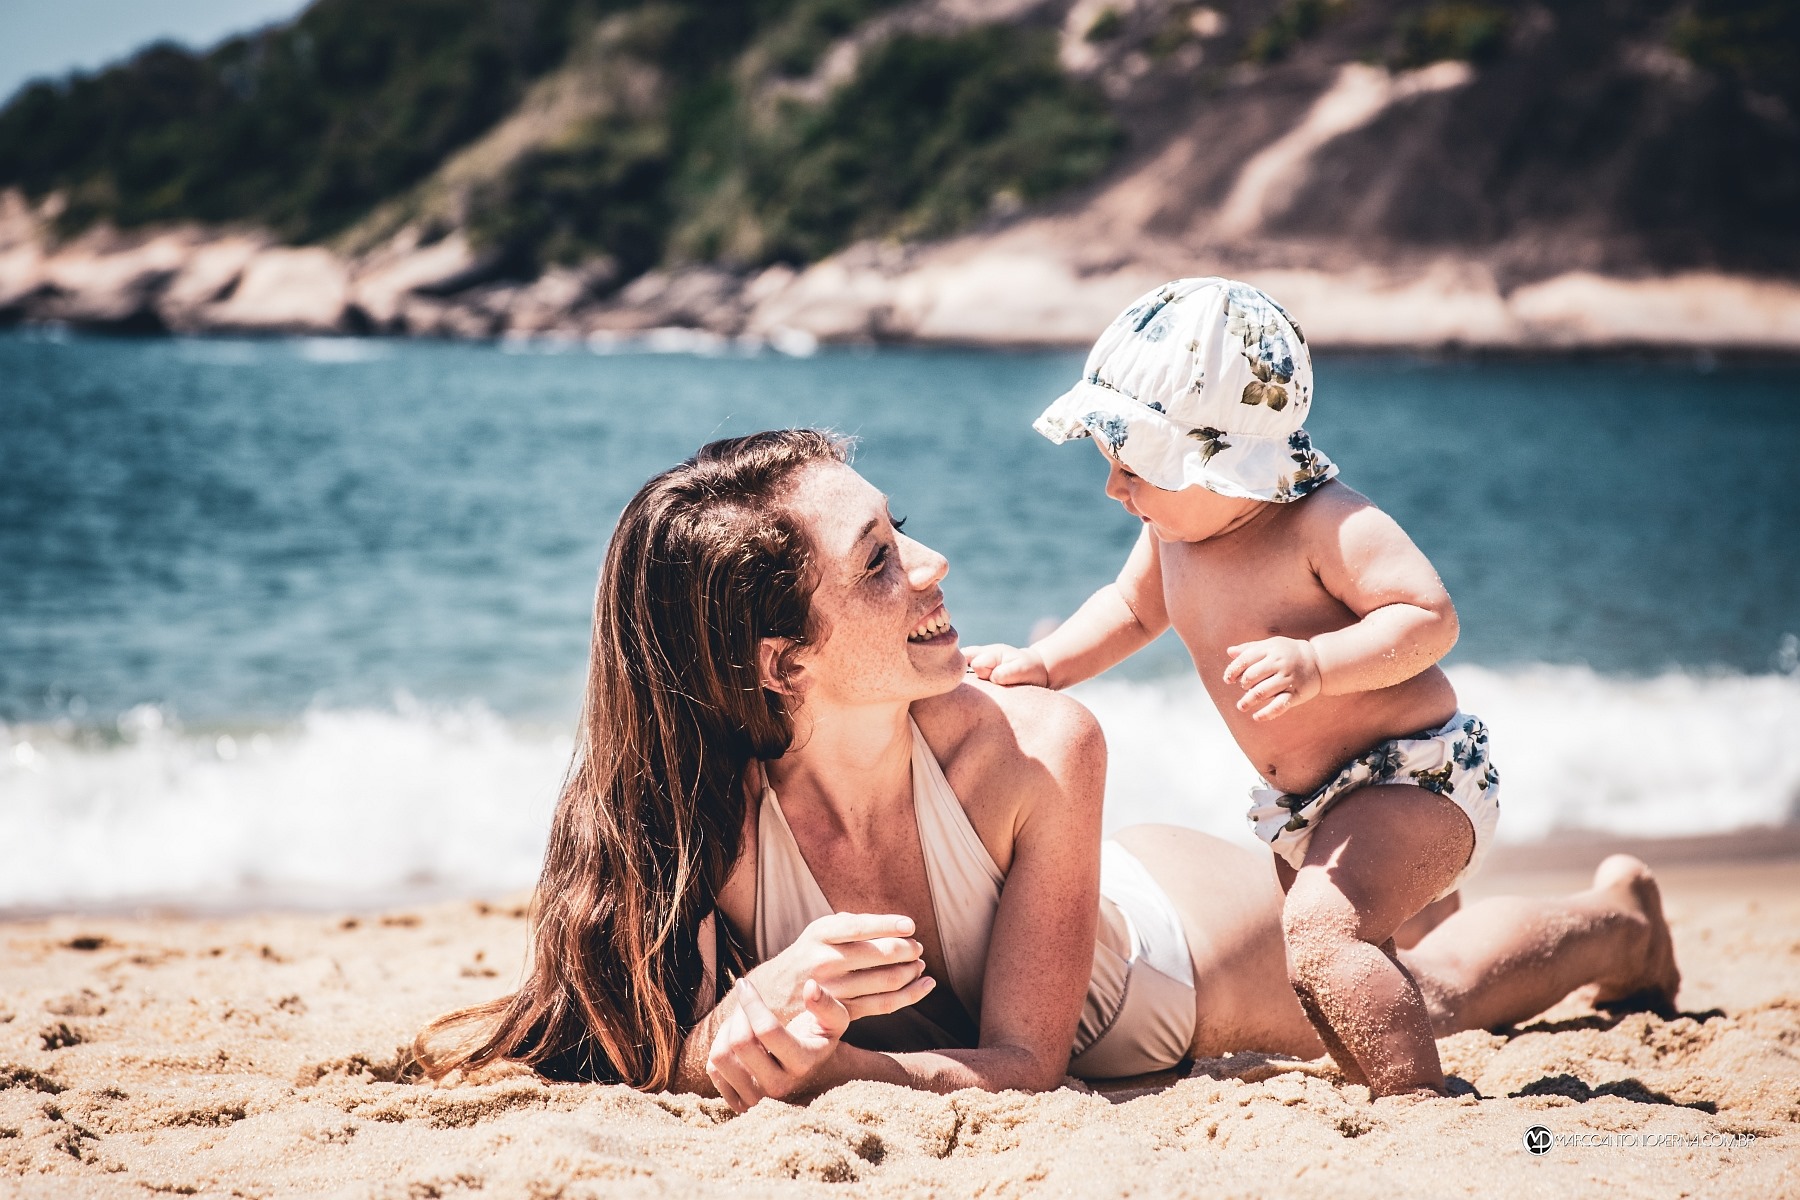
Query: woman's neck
x: 848, y: 766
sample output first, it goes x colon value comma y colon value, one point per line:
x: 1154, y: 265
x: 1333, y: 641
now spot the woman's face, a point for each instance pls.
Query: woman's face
x: 887, y: 634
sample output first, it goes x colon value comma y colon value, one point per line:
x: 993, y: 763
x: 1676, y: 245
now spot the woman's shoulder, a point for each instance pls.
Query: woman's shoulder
x: 980, y: 730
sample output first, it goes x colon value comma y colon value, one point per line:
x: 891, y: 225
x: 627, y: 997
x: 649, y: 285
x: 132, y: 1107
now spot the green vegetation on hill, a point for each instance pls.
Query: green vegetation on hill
x: 748, y: 132
x: 1292, y: 22
x: 1757, y: 41
x: 308, y: 127
x: 931, y: 134
x: 300, y: 128
x: 1472, y: 32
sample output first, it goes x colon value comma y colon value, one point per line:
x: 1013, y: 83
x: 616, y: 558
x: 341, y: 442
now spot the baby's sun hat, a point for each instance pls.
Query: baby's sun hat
x: 1202, y: 382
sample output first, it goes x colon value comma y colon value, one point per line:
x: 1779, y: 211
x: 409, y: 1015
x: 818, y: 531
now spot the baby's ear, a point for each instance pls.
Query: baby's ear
x: 777, y: 666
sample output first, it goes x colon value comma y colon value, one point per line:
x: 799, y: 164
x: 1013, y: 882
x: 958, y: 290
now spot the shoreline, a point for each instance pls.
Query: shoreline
x: 1034, y: 283
x: 655, y: 341
x: 1509, y: 867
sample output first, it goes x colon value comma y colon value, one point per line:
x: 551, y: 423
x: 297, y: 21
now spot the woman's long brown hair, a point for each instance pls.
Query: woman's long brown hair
x: 705, y: 563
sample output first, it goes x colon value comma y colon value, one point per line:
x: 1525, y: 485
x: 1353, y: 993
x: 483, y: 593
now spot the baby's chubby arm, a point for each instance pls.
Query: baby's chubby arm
x: 1405, y: 621
x: 1114, y: 623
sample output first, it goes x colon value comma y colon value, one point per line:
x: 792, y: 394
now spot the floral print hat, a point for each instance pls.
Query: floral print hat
x: 1201, y: 382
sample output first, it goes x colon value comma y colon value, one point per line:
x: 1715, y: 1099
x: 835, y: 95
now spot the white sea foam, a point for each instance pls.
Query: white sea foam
x: 342, y: 349
x: 343, y: 806
x: 360, y: 806
x: 1661, y: 757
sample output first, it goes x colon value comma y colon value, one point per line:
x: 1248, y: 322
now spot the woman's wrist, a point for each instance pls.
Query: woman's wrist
x: 849, y: 1063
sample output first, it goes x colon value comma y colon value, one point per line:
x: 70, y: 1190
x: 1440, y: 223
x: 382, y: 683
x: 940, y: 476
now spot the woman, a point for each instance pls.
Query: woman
x: 785, y: 779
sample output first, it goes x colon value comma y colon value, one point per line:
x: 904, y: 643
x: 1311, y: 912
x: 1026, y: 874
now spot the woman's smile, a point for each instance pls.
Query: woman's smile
x: 934, y: 629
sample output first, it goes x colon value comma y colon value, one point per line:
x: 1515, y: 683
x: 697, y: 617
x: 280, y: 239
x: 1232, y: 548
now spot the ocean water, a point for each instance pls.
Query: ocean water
x: 305, y: 621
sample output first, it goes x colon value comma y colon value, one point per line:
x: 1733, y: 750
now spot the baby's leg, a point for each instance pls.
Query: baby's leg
x: 1377, y: 856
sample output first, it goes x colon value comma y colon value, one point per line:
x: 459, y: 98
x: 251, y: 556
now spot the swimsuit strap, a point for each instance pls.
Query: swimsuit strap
x: 963, y: 879
x: 960, y: 876
x: 788, y: 898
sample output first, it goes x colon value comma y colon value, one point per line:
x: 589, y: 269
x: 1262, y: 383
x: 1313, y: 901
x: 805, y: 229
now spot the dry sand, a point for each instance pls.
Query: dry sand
x: 257, y: 1056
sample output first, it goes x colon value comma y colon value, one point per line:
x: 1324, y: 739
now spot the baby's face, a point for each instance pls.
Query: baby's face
x: 1191, y: 515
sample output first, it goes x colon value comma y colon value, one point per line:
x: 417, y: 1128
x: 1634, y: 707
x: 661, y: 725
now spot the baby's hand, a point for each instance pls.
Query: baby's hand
x: 1276, y: 674
x: 1008, y: 666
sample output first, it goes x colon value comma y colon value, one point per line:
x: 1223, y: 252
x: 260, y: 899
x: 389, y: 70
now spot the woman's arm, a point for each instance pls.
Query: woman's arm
x: 690, y: 1069
x: 870, y: 961
x: 867, y: 962
x: 1039, y: 765
x: 1049, y: 761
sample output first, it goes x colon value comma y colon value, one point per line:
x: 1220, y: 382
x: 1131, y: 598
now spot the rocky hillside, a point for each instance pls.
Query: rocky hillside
x: 1403, y: 172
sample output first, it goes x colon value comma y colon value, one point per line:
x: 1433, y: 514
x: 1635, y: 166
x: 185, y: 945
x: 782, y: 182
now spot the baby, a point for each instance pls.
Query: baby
x: 1315, y: 624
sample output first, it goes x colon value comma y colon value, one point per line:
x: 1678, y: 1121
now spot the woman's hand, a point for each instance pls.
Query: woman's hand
x: 1008, y: 666
x: 868, y: 962
x: 754, y: 1055
x: 1276, y: 674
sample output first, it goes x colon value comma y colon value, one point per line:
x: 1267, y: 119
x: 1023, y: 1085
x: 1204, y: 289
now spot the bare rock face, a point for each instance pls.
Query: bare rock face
x: 1027, y: 287
x: 21, y: 254
x: 104, y: 280
x: 1020, y: 291
x: 182, y: 279
x: 848, y: 297
x: 389, y: 284
x: 1014, y: 298
x: 112, y: 286
x: 208, y: 276
x: 1697, y: 308
x: 697, y: 297
x: 559, y: 301
x: 286, y: 290
x: 472, y: 315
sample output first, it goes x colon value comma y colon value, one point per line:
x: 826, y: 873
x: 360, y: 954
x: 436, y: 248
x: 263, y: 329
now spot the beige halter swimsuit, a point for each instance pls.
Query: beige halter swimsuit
x: 1139, y: 1013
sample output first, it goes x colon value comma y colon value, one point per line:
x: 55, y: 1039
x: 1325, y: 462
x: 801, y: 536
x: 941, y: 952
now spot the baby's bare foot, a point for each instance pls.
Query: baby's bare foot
x: 1656, y: 979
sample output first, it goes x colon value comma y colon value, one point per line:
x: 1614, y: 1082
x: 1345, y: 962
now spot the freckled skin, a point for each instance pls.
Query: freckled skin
x: 874, y: 586
x: 869, y: 598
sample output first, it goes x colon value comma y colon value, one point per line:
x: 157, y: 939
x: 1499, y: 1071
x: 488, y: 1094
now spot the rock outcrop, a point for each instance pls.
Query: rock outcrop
x: 1033, y: 283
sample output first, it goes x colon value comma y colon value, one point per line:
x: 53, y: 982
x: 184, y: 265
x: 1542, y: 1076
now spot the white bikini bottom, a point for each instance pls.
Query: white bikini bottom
x: 1139, y: 1016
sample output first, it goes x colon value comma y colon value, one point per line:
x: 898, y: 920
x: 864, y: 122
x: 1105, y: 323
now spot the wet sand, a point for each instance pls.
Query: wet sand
x: 262, y: 1055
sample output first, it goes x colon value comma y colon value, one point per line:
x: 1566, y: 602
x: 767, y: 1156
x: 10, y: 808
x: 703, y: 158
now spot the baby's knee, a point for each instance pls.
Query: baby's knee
x: 1317, y: 923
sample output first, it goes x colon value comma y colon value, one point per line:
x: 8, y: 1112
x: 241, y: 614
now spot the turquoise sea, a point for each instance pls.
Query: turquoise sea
x: 305, y: 620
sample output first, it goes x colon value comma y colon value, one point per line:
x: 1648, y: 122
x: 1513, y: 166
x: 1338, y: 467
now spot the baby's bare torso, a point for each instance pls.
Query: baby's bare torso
x: 1257, y: 582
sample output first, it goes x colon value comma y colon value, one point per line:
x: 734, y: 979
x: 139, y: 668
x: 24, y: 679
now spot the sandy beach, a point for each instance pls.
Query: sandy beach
x: 336, y: 337
x: 262, y: 1055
